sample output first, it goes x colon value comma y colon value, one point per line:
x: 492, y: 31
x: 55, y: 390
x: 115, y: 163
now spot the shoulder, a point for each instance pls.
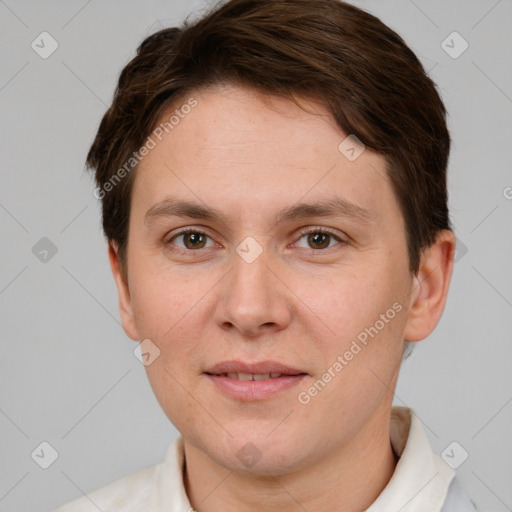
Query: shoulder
x: 118, y: 496
x: 457, y: 500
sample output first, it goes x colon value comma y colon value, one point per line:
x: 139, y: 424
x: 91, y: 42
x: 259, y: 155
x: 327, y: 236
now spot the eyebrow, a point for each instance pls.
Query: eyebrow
x: 332, y: 207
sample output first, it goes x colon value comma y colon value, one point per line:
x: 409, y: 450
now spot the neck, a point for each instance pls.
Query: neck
x: 350, y: 478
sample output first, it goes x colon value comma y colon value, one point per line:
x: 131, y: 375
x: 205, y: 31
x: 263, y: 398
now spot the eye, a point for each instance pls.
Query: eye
x: 319, y: 238
x: 193, y: 239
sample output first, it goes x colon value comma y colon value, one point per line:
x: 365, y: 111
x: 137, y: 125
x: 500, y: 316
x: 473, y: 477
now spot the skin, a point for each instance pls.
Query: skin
x: 301, y: 302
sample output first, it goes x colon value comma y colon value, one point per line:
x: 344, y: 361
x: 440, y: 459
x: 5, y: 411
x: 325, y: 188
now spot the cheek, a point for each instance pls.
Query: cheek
x: 174, y: 394
x: 172, y: 311
x: 345, y: 304
x: 163, y: 300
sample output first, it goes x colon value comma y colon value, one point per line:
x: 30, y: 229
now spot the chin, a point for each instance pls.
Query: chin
x: 259, y: 453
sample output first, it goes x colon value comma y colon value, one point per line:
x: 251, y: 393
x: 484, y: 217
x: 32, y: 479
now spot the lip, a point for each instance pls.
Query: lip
x: 254, y: 390
x: 261, y: 367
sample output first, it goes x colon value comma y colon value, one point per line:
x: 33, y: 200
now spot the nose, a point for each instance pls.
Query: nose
x: 254, y: 300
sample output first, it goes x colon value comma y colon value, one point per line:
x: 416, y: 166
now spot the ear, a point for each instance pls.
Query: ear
x: 123, y: 292
x: 429, y: 288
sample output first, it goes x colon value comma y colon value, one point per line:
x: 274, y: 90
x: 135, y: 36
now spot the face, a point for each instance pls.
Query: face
x: 320, y: 296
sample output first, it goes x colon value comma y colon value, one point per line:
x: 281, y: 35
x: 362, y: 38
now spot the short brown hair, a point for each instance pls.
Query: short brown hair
x: 362, y: 71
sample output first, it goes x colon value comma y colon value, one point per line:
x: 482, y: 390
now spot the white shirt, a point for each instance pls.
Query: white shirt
x: 422, y: 480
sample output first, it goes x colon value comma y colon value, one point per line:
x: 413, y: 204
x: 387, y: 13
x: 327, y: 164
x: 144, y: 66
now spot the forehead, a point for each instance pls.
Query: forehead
x: 240, y: 149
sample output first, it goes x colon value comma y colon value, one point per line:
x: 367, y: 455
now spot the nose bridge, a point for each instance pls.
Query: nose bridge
x: 253, y: 298
x: 250, y: 275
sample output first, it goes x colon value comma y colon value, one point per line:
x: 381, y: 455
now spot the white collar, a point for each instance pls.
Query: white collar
x: 421, y: 478
x: 419, y: 483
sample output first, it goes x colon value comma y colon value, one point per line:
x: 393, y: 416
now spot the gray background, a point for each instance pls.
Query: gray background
x: 68, y: 375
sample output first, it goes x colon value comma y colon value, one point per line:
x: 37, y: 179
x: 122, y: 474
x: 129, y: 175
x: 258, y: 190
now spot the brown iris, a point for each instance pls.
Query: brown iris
x: 323, y: 241
x: 197, y: 240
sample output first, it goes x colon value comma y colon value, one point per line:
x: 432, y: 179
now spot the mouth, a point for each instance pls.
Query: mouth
x: 253, y: 381
x: 248, y: 376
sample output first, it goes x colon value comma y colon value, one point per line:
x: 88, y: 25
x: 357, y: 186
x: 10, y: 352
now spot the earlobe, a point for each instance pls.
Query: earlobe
x: 429, y: 288
x: 123, y: 292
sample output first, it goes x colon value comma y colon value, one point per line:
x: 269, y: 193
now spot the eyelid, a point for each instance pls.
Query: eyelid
x: 342, y: 239
x: 187, y: 229
x: 320, y: 229
x: 183, y: 231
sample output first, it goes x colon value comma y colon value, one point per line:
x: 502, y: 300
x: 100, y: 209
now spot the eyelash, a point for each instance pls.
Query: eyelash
x: 303, y: 232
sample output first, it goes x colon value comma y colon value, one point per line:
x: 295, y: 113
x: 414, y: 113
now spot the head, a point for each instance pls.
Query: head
x: 304, y: 148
